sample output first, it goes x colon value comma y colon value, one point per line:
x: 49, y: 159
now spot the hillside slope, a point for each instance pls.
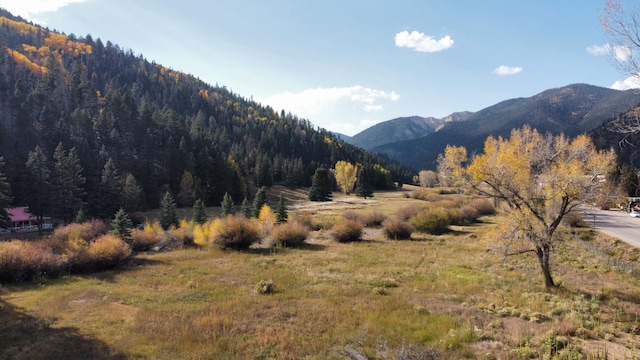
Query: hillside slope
x: 402, y: 129
x: 572, y: 110
x: 161, y: 129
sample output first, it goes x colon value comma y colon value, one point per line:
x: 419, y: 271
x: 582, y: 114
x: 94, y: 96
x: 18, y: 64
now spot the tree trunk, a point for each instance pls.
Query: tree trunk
x: 544, y: 257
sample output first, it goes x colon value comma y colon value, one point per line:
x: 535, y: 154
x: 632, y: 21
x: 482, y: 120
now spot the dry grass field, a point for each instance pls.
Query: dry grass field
x: 442, y: 297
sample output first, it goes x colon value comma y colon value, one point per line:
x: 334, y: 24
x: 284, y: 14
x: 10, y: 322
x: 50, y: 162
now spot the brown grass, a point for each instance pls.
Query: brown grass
x: 444, y: 293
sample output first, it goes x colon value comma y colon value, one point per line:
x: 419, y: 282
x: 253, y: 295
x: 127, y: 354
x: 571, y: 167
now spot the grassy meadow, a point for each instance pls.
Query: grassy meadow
x: 436, y: 296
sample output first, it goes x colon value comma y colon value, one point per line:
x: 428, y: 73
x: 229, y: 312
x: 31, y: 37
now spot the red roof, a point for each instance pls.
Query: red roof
x: 20, y: 214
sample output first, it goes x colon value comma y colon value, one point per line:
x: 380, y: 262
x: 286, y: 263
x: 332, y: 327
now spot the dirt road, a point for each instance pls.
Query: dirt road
x: 615, y: 223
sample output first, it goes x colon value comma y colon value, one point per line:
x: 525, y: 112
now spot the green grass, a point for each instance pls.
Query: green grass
x: 442, y: 291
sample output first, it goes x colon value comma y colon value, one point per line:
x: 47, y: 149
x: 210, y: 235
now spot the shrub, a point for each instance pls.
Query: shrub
x: 21, y: 260
x: 142, y: 240
x: 407, y: 212
x: 183, y: 235
x: 574, y: 220
x: 77, y: 254
x: 88, y: 231
x: 470, y: 214
x: 426, y: 194
x: 265, y: 287
x: 307, y: 219
x: 397, y: 229
x: 235, y: 232
x: 373, y: 219
x: 483, y: 206
x: 432, y: 221
x: 351, y: 215
x: 107, y: 252
x: 289, y: 234
x: 346, y: 231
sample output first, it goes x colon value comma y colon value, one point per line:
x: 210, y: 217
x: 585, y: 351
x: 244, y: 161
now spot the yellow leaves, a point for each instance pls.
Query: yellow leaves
x: 450, y: 164
x: 23, y: 28
x: 327, y: 140
x: 346, y: 175
x: 24, y: 61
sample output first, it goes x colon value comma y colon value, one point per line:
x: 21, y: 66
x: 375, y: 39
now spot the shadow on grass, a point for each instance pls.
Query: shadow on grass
x: 109, y: 275
x: 23, y: 336
x: 279, y: 249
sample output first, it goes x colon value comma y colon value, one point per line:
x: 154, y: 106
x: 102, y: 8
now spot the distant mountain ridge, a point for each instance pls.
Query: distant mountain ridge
x: 401, y: 129
x: 572, y: 110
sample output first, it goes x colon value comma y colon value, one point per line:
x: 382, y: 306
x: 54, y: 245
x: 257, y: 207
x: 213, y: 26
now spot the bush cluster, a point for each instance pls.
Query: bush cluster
x: 289, y: 234
x: 346, y: 231
x: 397, y: 229
x: 433, y: 220
x: 368, y: 219
x: 73, y: 248
x: 234, y: 232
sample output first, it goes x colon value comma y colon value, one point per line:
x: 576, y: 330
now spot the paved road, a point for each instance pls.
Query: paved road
x: 615, y: 223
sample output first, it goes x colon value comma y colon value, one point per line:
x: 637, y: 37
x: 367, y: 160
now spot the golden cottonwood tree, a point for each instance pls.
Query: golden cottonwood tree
x: 449, y: 164
x: 540, y: 179
x: 346, y: 176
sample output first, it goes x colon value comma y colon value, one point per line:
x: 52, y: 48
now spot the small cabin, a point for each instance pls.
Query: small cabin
x: 23, y: 221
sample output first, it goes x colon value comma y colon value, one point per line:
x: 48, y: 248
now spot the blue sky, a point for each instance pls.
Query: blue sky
x: 348, y: 64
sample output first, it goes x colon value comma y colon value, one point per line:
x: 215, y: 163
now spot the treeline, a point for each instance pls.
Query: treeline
x: 130, y: 130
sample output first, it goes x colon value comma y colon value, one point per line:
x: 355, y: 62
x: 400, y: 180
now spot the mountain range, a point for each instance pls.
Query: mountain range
x: 572, y: 110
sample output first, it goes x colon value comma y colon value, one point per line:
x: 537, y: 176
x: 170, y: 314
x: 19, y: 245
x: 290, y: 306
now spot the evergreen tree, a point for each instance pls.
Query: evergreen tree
x: 187, y: 193
x: 259, y: 200
x: 109, y: 194
x: 80, y: 217
x: 246, y: 208
x: 67, y: 184
x: 320, y: 186
x: 199, y: 212
x: 131, y: 194
x: 121, y: 225
x: 168, y: 214
x: 282, y: 212
x: 363, y: 183
x: 5, y: 197
x: 40, y: 182
x: 226, y: 205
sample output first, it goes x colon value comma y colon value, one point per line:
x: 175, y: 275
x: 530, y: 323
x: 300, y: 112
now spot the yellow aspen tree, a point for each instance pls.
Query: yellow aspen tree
x: 346, y: 176
x: 450, y: 164
x: 540, y: 179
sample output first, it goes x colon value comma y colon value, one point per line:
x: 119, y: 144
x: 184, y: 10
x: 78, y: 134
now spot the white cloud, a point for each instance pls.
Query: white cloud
x: 504, y: 70
x: 632, y: 82
x: 27, y: 8
x: 312, y: 101
x: 620, y: 53
x: 422, y: 42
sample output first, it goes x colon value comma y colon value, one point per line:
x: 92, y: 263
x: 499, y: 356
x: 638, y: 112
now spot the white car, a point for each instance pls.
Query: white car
x: 634, y: 213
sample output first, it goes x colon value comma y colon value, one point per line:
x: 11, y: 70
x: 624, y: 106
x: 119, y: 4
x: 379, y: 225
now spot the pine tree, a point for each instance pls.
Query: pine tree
x: 199, y: 212
x: 131, y: 194
x: 109, y: 194
x: 246, y: 208
x: 67, y: 184
x: 40, y: 182
x: 259, y: 200
x: 168, y: 215
x: 121, y: 225
x: 282, y: 212
x: 5, y: 198
x: 363, y: 184
x: 320, y: 186
x: 226, y: 205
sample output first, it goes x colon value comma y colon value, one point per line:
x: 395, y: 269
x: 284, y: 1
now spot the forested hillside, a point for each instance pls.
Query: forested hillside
x: 102, y: 128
